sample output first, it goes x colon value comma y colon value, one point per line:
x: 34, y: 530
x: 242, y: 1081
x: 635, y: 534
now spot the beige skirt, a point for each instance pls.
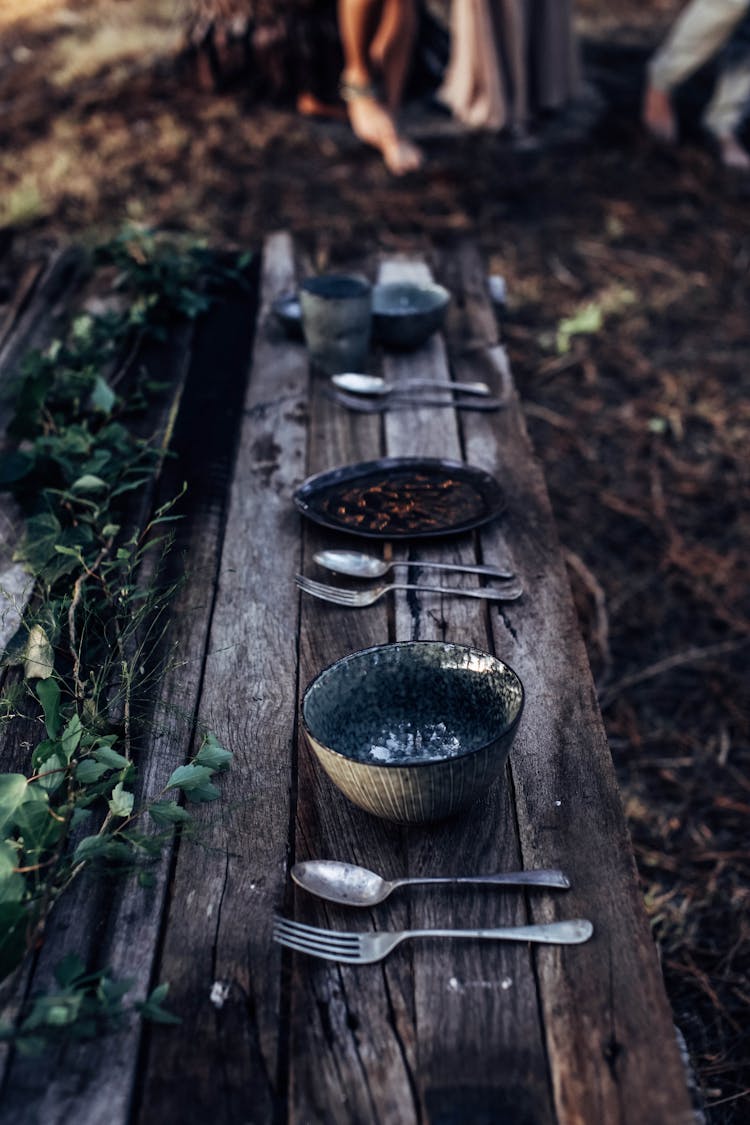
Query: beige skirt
x: 509, y: 58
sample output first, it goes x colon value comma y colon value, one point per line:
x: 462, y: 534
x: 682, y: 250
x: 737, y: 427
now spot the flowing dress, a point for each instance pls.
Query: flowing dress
x: 509, y: 60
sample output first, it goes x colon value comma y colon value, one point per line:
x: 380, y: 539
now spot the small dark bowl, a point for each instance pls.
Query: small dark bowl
x: 413, y: 731
x: 288, y: 312
x: 405, y: 314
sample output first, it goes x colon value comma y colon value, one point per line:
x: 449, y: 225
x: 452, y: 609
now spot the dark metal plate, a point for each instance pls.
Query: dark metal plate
x: 401, y: 498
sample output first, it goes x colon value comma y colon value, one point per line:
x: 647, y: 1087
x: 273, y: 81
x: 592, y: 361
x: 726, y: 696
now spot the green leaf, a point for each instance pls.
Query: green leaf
x: 89, y: 771
x: 13, y: 922
x: 152, y: 1010
x: 189, y: 777
x: 100, y: 848
x: 42, y: 753
x: 168, y: 812
x: 13, y: 792
x: 40, y: 658
x: 121, y: 802
x: 42, y: 532
x: 69, y: 970
x: 12, y: 885
x: 102, y: 397
x: 110, y: 758
x: 48, y: 692
x: 202, y: 793
x: 213, y: 755
x: 88, y: 483
x: 38, y: 830
x: 14, y: 467
x: 71, y: 737
x: 52, y: 774
x: 109, y: 530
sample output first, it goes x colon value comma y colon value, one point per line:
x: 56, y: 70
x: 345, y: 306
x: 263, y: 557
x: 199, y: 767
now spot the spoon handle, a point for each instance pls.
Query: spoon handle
x: 462, y: 568
x: 436, y: 385
x: 539, y: 878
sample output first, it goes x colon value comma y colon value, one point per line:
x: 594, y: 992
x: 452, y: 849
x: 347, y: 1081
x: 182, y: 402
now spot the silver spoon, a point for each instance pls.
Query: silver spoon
x: 356, y: 886
x: 360, y: 565
x: 373, y: 385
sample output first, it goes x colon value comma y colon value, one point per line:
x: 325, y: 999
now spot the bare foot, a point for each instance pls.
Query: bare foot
x: 309, y: 105
x: 732, y: 154
x: 373, y: 124
x: 658, y: 116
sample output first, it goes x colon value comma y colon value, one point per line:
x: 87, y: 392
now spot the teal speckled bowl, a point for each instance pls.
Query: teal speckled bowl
x: 413, y: 731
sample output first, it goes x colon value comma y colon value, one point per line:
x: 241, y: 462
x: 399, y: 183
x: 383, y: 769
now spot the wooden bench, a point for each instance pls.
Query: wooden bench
x: 443, y: 1032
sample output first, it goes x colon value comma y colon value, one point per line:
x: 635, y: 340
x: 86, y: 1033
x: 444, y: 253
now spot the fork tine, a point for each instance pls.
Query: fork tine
x: 328, y: 944
x: 313, y: 933
x: 337, y: 594
x: 302, y: 947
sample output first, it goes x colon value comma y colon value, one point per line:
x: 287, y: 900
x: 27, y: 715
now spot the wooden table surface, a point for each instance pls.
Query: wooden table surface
x: 440, y: 1032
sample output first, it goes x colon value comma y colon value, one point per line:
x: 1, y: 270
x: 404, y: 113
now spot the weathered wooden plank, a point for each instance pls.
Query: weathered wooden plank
x: 222, y: 1061
x: 609, y: 1034
x: 473, y: 997
x: 352, y: 1030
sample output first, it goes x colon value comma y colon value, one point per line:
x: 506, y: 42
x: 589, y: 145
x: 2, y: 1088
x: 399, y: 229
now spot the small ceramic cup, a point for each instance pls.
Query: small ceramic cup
x: 337, y: 321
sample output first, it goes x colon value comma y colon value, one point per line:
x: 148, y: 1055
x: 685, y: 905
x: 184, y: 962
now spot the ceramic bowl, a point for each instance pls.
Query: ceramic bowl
x: 406, y: 314
x: 413, y: 731
x: 288, y: 312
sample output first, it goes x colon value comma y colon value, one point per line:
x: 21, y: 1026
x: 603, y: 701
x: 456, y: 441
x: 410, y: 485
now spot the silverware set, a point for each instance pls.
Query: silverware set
x: 351, y: 885
x: 359, y: 565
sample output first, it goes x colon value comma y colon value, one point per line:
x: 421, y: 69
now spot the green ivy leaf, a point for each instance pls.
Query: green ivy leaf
x: 12, y: 885
x: 168, y: 812
x: 38, y: 830
x: 110, y: 758
x: 71, y: 737
x: 69, y: 970
x: 14, y: 789
x: 48, y: 692
x: 88, y: 483
x: 151, y: 1009
x: 13, y: 922
x: 121, y: 802
x: 213, y: 755
x: 89, y: 771
x: 103, y: 398
x: 100, y: 848
x: 52, y: 774
x: 189, y: 777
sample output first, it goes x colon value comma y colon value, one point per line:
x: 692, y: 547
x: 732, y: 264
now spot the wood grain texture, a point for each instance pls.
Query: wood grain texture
x: 608, y: 1026
x: 222, y: 1061
x: 473, y: 998
x: 352, y: 1035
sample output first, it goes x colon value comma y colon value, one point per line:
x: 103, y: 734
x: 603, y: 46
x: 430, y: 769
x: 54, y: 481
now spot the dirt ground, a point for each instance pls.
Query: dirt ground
x: 642, y: 421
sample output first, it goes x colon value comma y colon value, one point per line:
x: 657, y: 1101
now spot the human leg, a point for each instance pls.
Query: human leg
x: 725, y: 111
x: 392, y: 48
x: 372, y: 122
x: 699, y: 32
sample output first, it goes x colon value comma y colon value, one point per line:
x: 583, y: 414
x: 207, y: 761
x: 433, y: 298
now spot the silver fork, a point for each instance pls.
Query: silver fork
x: 365, y: 948
x: 355, y: 598
x: 406, y: 402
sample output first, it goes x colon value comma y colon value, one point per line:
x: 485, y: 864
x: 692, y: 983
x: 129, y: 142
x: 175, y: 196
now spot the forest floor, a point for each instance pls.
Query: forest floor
x: 641, y: 417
